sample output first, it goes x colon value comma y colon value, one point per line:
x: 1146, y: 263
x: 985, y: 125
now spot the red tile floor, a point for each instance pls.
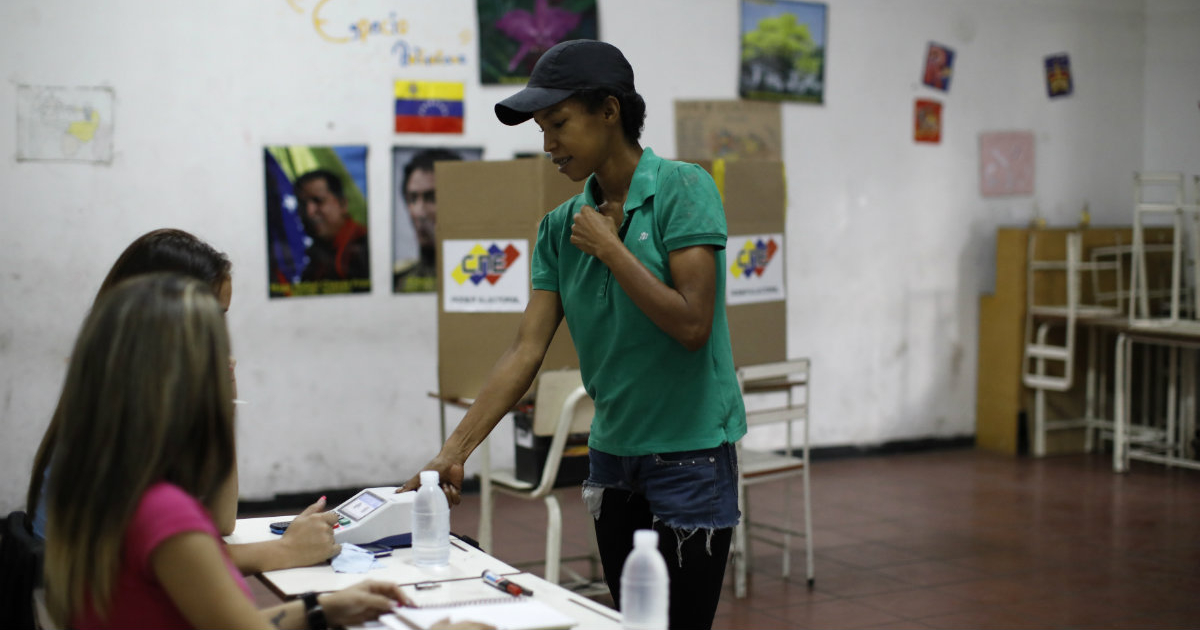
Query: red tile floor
x: 947, y: 539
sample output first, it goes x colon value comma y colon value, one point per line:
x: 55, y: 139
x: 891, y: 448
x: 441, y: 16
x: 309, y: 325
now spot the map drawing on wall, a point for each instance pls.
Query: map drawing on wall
x: 1006, y: 164
x: 729, y: 130
x: 783, y: 51
x: 485, y: 275
x: 316, y: 220
x: 939, y: 67
x: 513, y: 34
x: 65, y: 124
x: 927, y: 123
x: 755, y: 269
x: 414, y: 214
x: 1058, y: 76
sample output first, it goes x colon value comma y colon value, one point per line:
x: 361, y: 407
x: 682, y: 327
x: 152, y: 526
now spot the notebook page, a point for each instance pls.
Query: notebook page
x: 455, y: 593
x: 520, y: 613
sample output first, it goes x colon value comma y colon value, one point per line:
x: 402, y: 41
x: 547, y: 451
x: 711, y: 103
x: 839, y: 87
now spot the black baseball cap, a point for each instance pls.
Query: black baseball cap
x: 568, y: 67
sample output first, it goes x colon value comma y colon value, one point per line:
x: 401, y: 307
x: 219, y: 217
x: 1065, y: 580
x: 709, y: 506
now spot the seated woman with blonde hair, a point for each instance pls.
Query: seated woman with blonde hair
x: 309, y: 539
x: 145, y: 453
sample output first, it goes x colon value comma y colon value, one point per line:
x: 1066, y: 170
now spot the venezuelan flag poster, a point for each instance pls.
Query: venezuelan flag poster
x: 429, y: 107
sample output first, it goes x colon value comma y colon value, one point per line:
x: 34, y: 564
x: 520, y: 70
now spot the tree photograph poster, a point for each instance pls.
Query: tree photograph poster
x: 783, y: 50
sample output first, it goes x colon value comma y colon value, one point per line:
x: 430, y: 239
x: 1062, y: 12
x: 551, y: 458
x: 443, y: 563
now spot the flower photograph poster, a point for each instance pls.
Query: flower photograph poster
x: 513, y: 34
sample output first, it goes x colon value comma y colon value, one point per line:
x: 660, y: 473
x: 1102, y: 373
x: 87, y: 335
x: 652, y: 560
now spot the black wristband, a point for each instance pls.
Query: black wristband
x: 313, y: 612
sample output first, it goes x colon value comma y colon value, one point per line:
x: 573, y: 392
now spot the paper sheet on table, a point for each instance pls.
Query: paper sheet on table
x: 521, y: 613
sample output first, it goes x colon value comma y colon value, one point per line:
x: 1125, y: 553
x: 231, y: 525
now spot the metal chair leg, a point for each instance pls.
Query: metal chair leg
x: 553, y: 537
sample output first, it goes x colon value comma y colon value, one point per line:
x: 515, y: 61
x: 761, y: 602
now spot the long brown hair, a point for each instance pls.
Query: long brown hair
x: 169, y: 250
x: 147, y: 398
x: 163, y: 250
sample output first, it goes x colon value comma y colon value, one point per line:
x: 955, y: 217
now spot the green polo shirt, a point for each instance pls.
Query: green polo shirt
x: 652, y: 395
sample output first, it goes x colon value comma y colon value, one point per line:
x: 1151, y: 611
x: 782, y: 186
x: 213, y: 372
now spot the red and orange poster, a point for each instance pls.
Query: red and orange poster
x: 927, y: 124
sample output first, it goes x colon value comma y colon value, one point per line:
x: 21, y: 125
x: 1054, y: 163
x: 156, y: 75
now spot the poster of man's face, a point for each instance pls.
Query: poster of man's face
x: 316, y: 220
x: 414, y: 214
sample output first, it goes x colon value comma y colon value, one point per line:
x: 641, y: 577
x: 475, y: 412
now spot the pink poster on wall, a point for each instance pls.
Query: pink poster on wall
x: 1006, y: 163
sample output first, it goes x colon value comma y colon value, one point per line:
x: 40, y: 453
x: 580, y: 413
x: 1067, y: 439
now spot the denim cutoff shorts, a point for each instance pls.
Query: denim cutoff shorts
x: 687, y: 490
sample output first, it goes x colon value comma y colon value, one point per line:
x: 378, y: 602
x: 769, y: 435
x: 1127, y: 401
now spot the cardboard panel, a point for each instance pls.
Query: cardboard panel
x: 492, y: 200
x: 731, y: 129
x: 758, y: 332
x: 755, y: 203
x: 507, y: 199
x: 755, y: 197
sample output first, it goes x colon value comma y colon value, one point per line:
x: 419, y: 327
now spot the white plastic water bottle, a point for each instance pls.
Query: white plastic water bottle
x: 431, y: 523
x: 644, y: 585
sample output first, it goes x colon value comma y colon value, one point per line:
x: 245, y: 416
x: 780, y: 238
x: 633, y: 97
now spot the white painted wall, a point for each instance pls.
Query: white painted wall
x: 1172, y: 117
x: 890, y: 242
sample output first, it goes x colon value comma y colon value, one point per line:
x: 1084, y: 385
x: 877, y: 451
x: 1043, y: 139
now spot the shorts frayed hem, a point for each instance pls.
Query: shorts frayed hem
x: 593, y: 497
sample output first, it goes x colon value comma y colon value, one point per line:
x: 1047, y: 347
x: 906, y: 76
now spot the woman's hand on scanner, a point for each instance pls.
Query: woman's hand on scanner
x: 309, y: 538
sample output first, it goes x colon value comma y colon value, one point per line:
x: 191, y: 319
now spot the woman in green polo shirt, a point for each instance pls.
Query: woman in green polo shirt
x: 635, y: 264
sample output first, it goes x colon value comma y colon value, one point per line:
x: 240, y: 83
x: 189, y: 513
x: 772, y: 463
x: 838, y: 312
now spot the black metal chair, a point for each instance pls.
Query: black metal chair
x: 20, y: 572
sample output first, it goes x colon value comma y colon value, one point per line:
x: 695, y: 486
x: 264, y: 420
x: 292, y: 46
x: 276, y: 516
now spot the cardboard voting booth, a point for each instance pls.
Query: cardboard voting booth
x: 755, y: 197
x: 492, y: 205
x: 488, y: 216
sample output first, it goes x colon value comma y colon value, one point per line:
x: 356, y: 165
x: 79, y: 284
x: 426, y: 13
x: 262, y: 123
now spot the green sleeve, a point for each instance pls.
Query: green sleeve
x: 689, y: 209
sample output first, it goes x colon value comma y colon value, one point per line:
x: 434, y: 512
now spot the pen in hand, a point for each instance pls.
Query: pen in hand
x: 504, y: 584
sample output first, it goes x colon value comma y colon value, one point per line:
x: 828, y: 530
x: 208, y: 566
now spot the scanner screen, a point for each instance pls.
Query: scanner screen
x: 362, y: 505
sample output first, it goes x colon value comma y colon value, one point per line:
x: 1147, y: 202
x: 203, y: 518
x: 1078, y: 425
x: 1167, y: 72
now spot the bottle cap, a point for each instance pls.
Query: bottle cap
x: 645, y: 538
x: 429, y: 478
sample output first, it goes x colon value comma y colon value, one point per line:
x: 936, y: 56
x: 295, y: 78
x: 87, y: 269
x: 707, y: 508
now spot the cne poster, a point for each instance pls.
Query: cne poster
x: 485, y: 275
x: 755, y: 269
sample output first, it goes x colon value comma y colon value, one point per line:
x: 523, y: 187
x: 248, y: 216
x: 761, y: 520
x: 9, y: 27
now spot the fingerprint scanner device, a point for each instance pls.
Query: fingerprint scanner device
x: 373, y: 514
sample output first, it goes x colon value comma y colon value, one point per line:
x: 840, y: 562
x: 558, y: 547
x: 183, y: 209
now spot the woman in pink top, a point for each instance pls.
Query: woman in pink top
x: 309, y: 539
x: 146, y: 451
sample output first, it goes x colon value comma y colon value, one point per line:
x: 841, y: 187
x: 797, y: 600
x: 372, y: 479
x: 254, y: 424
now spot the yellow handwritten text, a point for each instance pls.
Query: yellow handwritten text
x: 356, y: 30
x: 320, y: 22
x: 391, y: 26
